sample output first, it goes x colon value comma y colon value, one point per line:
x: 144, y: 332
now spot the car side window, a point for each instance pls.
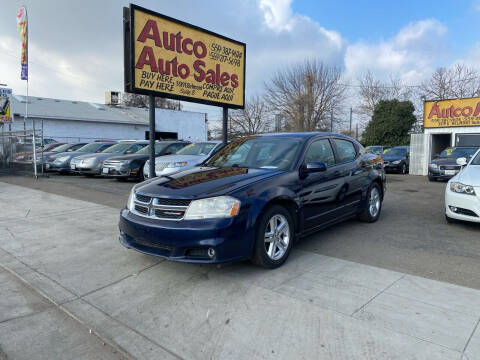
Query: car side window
x: 346, y: 151
x: 320, y: 151
x: 103, y: 147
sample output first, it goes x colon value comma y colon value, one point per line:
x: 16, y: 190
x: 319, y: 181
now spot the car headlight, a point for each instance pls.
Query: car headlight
x: 397, y: 162
x: 433, y: 166
x: 461, y: 188
x: 215, y: 207
x: 131, y: 200
x: 177, y: 164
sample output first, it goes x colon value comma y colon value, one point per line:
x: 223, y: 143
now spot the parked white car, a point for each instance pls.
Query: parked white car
x: 184, y: 159
x: 462, y: 194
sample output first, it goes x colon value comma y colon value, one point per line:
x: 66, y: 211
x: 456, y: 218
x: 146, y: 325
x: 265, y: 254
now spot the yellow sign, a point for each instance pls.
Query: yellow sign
x: 448, y: 113
x: 5, y: 110
x: 172, y: 59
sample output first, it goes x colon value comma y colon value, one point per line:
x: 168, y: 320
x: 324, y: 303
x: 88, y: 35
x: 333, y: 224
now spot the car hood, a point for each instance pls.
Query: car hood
x: 130, y: 157
x: 392, y: 157
x: 179, y: 158
x: 201, y: 182
x: 444, y: 161
x: 71, y: 154
x: 98, y: 156
x: 469, y: 175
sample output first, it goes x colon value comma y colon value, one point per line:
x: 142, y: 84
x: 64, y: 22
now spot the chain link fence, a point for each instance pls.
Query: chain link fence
x: 17, y: 152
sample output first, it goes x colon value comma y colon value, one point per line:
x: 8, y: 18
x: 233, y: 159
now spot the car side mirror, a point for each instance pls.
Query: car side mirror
x: 315, y: 167
x: 462, y: 161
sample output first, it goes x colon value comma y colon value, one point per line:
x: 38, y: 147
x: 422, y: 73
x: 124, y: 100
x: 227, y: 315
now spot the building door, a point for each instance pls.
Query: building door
x: 439, y: 143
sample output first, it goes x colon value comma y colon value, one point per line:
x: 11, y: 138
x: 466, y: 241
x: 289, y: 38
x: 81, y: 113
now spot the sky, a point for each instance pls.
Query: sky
x: 76, y: 48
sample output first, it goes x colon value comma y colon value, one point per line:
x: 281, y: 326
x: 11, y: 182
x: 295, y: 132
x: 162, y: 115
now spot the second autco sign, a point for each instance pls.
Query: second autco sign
x: 169, y: 58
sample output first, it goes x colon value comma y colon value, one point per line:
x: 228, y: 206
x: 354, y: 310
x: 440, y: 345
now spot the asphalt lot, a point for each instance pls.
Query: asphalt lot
x: 411, y: 236
x: 70, y: 291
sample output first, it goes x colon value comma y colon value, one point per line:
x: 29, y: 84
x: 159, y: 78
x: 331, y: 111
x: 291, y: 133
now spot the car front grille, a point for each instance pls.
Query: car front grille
x: 160, y: 208
x: 153, y: 245
x: 112, y: 163
x: 161, y: 165
x: 143, y: 198
x: 450, y: 167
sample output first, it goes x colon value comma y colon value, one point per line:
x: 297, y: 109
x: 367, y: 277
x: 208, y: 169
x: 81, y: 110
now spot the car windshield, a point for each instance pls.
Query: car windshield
x: 396, y: 152
x: 197, y: 149
x: 158, y: 149
x: 63, y: 148
x: 92, y: 147
x: 374, y: 149
x: 476, y: 161
x: 117, y: 148
x: 258, y: 153
x: 455, y: 153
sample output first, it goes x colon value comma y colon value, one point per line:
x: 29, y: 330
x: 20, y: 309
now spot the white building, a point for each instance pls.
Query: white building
x: 453, y: 122
x: 66, y: 120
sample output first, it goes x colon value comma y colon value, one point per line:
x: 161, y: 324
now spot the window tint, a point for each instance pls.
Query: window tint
x: 345, y: 150
x: 175, y: 147
x: 75, y: 147
x: 320, y: 151
x: 134, y: 148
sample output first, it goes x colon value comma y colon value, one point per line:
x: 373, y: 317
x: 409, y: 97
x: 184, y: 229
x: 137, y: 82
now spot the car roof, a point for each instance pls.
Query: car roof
x: 305, y: 135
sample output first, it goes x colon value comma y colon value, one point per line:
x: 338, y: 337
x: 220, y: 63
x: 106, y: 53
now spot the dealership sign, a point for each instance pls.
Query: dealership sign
x: 5, y: 107
x: 453, y: 112
x: 168, y: 58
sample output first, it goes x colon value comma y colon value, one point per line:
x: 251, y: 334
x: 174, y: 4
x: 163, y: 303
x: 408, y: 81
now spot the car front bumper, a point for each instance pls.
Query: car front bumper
x: 85, y: 169
x: 390, y: 167
x: 186, y: 240
x: 467, y: 206
x: 440, y: 174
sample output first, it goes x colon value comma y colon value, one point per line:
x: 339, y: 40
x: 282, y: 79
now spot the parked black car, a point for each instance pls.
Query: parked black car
x: 254, y: 198
x: 397, y: 159
x: 444, y: 166
x: 126, y: 166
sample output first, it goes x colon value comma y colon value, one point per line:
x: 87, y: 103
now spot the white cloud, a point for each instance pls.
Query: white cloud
x: 277, y: 14
x: 411, y: 54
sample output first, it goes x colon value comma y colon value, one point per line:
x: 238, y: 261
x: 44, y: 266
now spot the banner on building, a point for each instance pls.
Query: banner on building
x: 451, y: 113
x: 5, y: 105
x: 168, y: 58
x: 22, y: 26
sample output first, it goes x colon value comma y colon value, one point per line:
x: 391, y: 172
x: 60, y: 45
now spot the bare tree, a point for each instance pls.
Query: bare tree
x: 253, y: 119
x: 372, y: 90
x: 458, y: 81
x: 305, y: 95
x: 137, y: 100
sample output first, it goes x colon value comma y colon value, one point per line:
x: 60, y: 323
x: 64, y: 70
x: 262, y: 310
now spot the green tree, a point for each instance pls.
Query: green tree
x: 391, y: 123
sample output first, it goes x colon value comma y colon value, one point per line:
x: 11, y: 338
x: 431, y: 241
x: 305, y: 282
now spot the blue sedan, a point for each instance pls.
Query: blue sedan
x: 254, y: 199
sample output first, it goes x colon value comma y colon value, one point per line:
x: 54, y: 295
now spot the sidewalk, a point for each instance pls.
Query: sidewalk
x: 313, y: 307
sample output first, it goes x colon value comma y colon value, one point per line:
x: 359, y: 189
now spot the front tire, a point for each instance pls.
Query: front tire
x: 404, y: 169
x: 432, y: 179
x: 372, y: 210
x: 274, y: 237
x: 450, y: 220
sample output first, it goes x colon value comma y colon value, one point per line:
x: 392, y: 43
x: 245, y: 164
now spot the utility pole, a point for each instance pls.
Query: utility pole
x: 356, y: 132
x: 225, y: 126
x: 331, y: 120
x: 350, y: 128
x: 151, y: 118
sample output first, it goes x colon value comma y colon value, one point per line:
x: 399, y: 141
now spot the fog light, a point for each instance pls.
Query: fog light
x: 211, y: 252
x: 453, y: 208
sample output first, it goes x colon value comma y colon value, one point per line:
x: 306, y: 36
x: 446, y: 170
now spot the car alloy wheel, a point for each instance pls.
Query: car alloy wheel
x: 374, y: 202
x: 277, y: 237
x: 404, y: 168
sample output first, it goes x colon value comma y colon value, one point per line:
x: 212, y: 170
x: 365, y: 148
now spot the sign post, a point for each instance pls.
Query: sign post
x: 176, y: 60
x: 152, y: 135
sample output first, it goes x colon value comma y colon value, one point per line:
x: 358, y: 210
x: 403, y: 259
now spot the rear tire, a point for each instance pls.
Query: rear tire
x: 274, y: 237
x: 372, y: 210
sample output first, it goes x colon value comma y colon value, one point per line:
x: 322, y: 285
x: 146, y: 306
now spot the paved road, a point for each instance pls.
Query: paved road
x: 411, y: 236
x: 313, y: 307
